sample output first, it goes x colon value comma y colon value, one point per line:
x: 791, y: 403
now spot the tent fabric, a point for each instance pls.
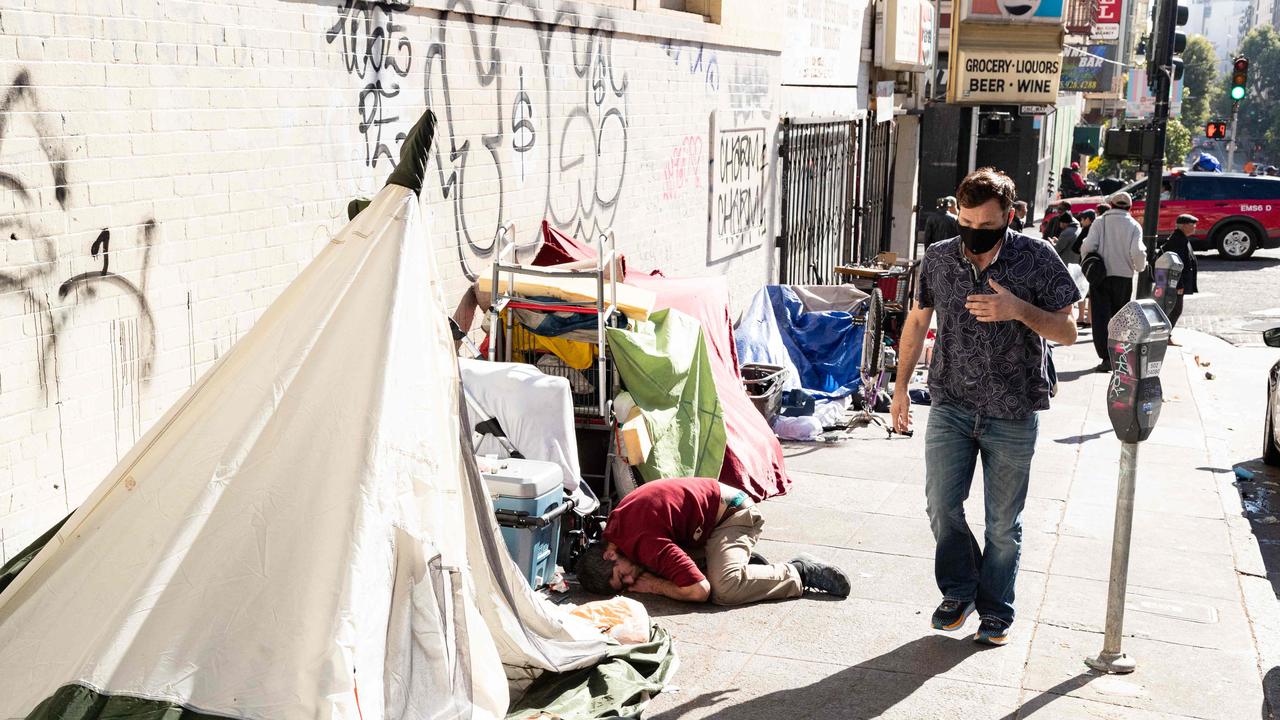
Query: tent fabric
x: 823, y: 348
x: 305, y: 533
x: 19, y: 562
x: 753, y: 460
x: 536, y: 413
x: 620, y: 686
x: 666, y: 367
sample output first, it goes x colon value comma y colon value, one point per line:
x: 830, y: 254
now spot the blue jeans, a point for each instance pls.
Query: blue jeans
x: 954, y: 438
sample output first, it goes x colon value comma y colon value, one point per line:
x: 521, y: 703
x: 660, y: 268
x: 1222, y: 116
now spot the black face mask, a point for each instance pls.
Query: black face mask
x: 979, y: 240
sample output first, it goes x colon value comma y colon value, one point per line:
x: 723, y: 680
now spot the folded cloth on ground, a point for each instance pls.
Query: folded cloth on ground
x: 622, y: 685
x: 621, y: 618
x: 665, y: 366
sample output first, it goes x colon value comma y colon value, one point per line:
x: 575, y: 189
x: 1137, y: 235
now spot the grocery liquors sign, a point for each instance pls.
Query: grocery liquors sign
x: 1003, y: 77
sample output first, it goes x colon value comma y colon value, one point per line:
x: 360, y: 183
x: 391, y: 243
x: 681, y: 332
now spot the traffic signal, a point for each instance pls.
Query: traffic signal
x: 1239, y: 78
x: 1166, y: 43
x: 1215, y: 130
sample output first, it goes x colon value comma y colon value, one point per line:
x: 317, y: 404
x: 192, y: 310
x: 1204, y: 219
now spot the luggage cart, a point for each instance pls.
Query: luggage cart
x: 594, y: 388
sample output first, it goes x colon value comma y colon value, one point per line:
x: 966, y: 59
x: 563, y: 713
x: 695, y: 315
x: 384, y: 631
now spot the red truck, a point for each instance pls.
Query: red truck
x: 1238, y: 213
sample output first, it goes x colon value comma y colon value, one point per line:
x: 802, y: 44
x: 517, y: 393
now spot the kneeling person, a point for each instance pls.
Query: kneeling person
x: 651, y: 532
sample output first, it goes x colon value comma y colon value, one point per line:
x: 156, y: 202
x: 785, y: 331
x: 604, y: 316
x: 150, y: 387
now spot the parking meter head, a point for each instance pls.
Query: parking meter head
x: 1164, y: 288
x: 1137, y: 337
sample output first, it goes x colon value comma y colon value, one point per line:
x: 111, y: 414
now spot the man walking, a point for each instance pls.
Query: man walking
x: 1117, y: 237
x: 1179, y: 243
x: 999, y: 296
x: 1019, y: 216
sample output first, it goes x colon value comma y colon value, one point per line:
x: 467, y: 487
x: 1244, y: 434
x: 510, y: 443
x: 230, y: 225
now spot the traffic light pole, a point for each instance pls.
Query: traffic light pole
x: 1160, y: 121
x: 1231, y: 144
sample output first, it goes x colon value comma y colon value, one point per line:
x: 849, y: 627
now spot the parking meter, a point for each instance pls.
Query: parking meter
x: 1136, y: 340
x: 1165, y: 281
x: 1137, y: 337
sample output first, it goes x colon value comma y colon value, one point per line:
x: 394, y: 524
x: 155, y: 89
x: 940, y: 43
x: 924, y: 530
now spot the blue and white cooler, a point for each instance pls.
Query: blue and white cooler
x: 528, y: 500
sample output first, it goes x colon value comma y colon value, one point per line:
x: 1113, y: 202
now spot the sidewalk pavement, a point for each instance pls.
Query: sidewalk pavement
x: 1202, y: 618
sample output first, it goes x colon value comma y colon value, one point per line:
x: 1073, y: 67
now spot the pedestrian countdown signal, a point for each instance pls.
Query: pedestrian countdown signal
x: 1239, y: 78
x: 1215, y: 130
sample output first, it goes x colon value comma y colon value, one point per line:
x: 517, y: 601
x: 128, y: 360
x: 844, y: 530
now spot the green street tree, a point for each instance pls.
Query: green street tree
x: 1177, y: 144
x: 1259, y: 110
x: 1201, y: 85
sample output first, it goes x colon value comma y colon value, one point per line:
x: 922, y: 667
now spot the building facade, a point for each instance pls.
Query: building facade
x: 168, y: 168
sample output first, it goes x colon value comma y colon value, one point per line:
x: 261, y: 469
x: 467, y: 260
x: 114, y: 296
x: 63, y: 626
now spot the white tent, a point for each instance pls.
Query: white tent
x: 305, y: 533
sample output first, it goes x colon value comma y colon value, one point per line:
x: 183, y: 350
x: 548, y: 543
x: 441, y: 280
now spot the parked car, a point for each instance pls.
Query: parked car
x: 1271, y: 430
x: 1238, y: 213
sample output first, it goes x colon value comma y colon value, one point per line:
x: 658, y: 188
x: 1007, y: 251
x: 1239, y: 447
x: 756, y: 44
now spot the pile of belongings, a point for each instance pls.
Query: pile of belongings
x: 305, y: 532
x: 810, y: 331
x: 677, y: 360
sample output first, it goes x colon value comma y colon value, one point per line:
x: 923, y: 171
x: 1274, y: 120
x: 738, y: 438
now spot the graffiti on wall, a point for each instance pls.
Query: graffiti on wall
x: 739, y: 192
x: 684, y: 168
x: 39, y: 259
x: 696, y: 60
x: 376, y: 50
x: 553, y: 125
x: 749, y: 91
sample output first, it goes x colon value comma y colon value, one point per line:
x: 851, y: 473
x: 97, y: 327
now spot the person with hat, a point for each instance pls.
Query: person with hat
x: 1179, y: 243
x: 1117, y: 237
x: 1073, y: 184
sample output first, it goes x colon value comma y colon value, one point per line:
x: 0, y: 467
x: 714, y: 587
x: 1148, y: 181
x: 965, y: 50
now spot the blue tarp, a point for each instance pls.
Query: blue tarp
x: 822, y: 348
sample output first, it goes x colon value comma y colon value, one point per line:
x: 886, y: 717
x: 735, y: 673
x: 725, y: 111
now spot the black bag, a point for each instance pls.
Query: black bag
x: 1095, y: 270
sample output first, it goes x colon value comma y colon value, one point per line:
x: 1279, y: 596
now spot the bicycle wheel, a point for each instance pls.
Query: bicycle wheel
x: 873, y: 338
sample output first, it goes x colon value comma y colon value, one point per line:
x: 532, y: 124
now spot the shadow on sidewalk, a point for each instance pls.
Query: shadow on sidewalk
x: 1040, y: 701
x: 866, y: 690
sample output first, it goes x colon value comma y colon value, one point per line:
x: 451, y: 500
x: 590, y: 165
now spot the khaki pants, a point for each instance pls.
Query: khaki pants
x: 733, y: 580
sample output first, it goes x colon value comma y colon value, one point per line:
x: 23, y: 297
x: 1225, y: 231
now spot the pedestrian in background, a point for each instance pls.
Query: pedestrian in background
x: 999, y: 296
x: 1179, y: 243
x: 1019, y: 221
x: 1086, y: 218
x: 942, y: 225
x: 1068, y: 232
x: 1117, y: 237
x: 1054, y: 224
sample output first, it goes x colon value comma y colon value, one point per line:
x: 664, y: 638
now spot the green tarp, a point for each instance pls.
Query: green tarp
x: 621, y: 686
x: 665, y: 366
x: 19, y: 562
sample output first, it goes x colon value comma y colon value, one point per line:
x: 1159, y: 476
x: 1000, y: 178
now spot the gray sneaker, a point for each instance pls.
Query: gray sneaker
x: 819, y: 576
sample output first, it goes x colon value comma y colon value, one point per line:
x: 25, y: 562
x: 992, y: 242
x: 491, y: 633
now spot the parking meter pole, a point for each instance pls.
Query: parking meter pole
x: 1137, y: 338
x: 1112, y: 658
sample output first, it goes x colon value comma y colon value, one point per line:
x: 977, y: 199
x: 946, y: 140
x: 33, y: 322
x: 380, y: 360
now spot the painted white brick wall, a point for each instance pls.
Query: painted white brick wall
x: 202, y: 152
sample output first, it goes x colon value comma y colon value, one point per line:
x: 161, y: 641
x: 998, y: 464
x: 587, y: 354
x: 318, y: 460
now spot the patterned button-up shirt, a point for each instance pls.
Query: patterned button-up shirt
x: 993, y: 369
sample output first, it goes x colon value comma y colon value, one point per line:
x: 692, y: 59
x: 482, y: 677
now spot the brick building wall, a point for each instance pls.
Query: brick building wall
x: 168, y: 167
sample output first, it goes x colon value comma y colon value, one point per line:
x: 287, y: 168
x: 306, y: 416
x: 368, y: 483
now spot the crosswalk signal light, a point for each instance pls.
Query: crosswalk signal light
x: 1239, y: 78
x: 1215, y: 130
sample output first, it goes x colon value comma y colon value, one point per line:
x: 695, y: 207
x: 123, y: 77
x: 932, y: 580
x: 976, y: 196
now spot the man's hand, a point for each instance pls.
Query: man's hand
x: 901, y: 411
x: 1000, y: 307
x: 646, y: 583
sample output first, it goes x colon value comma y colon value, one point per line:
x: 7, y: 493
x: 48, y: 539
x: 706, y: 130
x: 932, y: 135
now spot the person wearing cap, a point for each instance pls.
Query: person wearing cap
x: 942, y: 225
x: 1117, y: 237
x: 1179, y: 243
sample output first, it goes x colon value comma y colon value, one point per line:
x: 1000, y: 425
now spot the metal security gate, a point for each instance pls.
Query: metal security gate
x: 877, y: 191
x: 818, y: 196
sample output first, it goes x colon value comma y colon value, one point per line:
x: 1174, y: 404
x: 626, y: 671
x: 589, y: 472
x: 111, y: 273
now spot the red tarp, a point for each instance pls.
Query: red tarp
x: 753, y: 456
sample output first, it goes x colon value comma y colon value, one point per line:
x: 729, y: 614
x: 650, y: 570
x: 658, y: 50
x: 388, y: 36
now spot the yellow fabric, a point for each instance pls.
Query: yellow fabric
x: 575, y: 354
